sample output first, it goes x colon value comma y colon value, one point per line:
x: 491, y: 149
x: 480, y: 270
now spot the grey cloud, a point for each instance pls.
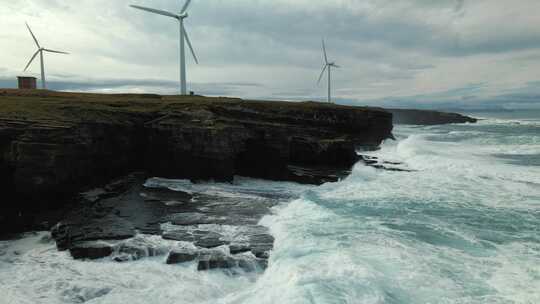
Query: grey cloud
x: 386, y: 46
x: 258, y: 29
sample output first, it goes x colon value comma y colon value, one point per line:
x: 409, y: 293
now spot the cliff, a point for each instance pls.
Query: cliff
x: 54, y: 144
x: 426, y: 117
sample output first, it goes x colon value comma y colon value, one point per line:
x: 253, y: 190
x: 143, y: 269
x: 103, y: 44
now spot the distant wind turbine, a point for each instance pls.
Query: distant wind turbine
x: 183, y: 38
x: 327, y: 65
x: 40, y: 52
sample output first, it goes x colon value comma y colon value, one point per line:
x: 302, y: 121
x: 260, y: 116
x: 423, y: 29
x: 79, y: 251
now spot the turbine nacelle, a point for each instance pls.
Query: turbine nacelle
x: 183, y: 15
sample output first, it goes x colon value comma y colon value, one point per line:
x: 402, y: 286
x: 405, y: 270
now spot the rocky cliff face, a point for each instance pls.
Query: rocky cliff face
x: 257, y: 140
x: 55, y: 144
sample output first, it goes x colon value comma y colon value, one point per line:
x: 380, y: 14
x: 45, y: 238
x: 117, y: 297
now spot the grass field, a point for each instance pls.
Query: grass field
x: 42, y: 105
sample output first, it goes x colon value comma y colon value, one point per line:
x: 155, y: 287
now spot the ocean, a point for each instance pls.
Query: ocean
x: 462, y: 227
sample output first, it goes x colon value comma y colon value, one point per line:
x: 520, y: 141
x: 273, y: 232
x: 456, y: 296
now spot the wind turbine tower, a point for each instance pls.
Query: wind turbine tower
x: 327, y: 66
x: 40, y: 51
x: 184, y: 38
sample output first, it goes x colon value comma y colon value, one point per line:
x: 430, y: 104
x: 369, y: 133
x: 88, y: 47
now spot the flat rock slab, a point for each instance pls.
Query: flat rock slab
x: 191, y: 218
x: 239, y: 248
x: 182, y: 256
x: 90, y: 250
x: 82, y: 229
x: 200, y: 238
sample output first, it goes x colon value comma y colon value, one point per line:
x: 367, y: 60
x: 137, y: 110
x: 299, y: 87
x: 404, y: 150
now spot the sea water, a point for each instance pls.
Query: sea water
x: 463, y: 226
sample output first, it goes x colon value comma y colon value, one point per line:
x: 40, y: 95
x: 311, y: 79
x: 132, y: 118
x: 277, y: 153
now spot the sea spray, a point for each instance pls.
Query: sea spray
x: 461, y: 227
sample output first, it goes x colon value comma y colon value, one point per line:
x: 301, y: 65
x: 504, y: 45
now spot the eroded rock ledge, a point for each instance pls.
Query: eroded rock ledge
x: 426, y: 117
x: 54, y: 144
x: 132, y: 218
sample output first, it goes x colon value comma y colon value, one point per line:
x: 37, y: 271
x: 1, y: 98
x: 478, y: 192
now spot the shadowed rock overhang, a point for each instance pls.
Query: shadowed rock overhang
x: 53, y: 144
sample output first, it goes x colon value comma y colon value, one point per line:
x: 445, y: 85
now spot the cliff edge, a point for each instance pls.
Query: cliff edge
x: 54, y: 144
x: 427, y: 117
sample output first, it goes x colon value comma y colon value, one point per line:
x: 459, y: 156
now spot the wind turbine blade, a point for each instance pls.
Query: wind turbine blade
x: 53, y: 51
x: 186, y: 5
x: 322, y: 73
x: 32, y: 59
x: 155, y: 11
x: 33, y: 36
x: 190, y: 46
x: 324, y: 51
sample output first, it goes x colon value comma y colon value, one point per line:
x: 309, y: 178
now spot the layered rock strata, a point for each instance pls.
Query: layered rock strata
x: 129, y: 219
x: 54, y: 144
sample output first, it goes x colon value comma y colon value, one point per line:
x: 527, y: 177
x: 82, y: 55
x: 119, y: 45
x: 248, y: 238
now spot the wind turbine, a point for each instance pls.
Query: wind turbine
x: 183, y: 39
x: 327, y: 65
x: 40, y: 52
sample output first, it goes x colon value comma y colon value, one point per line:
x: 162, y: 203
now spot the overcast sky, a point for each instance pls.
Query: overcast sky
x: 425, y: 53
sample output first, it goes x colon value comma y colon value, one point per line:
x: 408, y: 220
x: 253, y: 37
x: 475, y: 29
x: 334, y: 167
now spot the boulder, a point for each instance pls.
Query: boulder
x: 177, y: 256
x: 91, y: 250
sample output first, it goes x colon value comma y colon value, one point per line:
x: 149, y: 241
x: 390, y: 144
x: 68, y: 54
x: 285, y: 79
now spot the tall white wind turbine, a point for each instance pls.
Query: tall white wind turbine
x: 183, y: 39
x: 327, y: 66
x: 40, y: 51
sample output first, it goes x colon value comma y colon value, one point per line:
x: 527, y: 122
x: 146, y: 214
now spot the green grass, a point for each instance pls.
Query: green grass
x: 51, y: 106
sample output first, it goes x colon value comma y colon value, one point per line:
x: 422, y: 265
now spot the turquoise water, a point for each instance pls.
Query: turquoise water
x: 463, y: 227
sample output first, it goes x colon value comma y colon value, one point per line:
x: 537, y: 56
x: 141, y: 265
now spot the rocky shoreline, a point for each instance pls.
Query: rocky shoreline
x: 54, y: 145
x: 59, y: 153
x: 133, y: 218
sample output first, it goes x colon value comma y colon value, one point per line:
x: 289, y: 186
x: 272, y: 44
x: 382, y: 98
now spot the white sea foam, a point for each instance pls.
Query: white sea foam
x: 462, y: 228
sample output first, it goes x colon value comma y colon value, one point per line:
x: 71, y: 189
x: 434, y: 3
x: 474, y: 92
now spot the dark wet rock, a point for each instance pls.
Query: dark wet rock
x: 118, y: 218
x: 239, y: 248
x: 261, y: 245
x: 179, y: 235
x: 166, y: 196
x: 91, y: 250
x: 121, y: 258
x: 177, y: 256
x: 382, y: 167
x: 426, y: 117
x: 318, y: 174
x: 219, y: 260
x: 377, y: 163
x: 133, y: 251
x: 190, y: 218
x: 210, y: 242
x: 214, y: 260
x: 261, y: 253
x: 369, y: 160
x: 76, y: 230
x: 201, y: 238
